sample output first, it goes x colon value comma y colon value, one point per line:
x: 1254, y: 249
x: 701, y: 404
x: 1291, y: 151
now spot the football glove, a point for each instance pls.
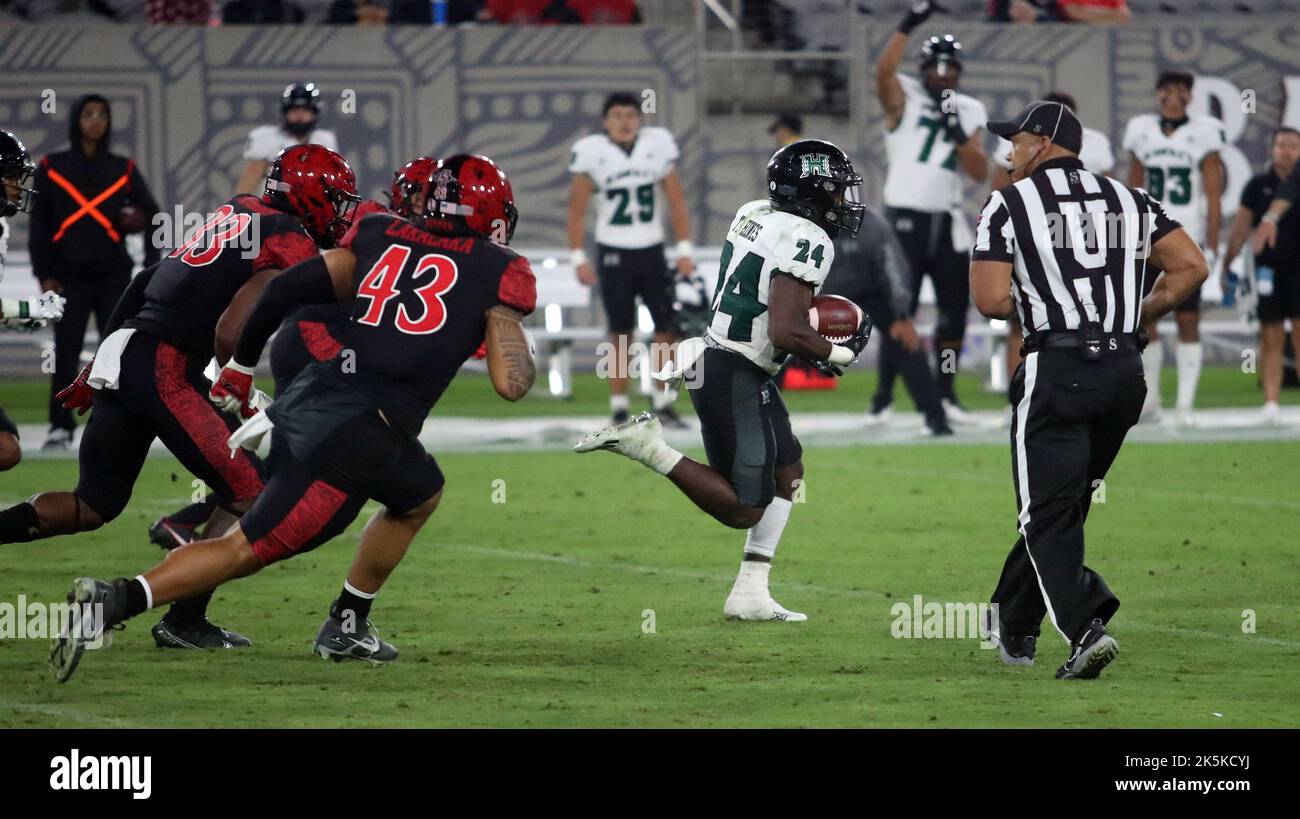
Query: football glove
x: 918, y: 14
x: 858, y: 341
x: 78, y: 395
x: 233, y: 389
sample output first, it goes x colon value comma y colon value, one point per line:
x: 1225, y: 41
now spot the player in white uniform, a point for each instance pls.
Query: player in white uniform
x: 1096, y: 156
x: 300, y: 113
x: 1176, y: 159
x: 933, y: 137
x: 16, y: 171
x: 625, y: 167
x: 775, y: 258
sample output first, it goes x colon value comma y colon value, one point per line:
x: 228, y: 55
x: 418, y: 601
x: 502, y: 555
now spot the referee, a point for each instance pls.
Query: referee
x: 1069, y: 252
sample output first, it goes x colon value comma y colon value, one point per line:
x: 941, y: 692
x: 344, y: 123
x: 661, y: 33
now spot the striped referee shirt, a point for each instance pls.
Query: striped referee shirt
x: 1078, y: 245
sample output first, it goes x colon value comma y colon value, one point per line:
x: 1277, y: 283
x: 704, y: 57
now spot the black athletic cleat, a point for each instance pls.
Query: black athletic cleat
x: 200, y: 634
x: 1092, y: 652
x: 169, y: 534
x: 620, y: 417
x: 93, y: 613
x: 669, y: 418
x: 1017, y: 650
x: 336, y: 643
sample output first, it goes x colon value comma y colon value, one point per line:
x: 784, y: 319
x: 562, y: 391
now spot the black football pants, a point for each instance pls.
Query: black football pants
x: 1069, y: 419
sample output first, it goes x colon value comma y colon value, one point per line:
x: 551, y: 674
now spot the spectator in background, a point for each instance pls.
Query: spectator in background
x: 358, y: 12
x: 786, y: 128
x: 299, y: 115
x: 606, y: 12
x: 420, y: 12
x: 1063, y: 11
x: 78, y: 249
x: 546, y: 12
x: 251, y: 12
x: 192, y: 12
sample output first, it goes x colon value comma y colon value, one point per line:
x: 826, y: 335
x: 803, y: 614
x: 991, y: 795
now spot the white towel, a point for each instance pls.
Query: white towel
x: 107, y: 369
x: 252, y: 433
x: 689, y: 351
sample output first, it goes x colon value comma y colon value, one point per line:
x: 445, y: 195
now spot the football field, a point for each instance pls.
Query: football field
x: 553, y: 589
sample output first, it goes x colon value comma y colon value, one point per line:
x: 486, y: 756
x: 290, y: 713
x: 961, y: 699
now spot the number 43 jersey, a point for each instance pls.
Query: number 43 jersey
x: 421, y: 310
x: 1172, y: 163
x: 761, y: 241
x: 626, y: 183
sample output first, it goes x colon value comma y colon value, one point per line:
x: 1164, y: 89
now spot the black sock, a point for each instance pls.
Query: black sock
x: 190, y: 610
x: 137, y: 602
x: 351, y: 608
x: 19, y: 524
x: 196, y: 514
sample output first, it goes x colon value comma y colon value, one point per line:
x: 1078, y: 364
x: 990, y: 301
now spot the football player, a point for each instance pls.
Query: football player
x: 427, y: 292
x: 310, y: 334
x: 625, y: 167
x: 932, y: 140
x: 16, y: 170
x: 775, y: 258
x: 299, y: 116
x: 147, y: 378
x: 1175, y: 157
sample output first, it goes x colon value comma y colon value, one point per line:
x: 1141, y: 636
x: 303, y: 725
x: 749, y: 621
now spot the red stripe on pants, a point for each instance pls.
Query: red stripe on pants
x: 305, y: 520
x: 203, y: 423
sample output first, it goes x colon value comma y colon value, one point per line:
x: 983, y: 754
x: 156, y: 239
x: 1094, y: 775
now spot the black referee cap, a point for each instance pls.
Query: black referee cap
x: 1049, y: 119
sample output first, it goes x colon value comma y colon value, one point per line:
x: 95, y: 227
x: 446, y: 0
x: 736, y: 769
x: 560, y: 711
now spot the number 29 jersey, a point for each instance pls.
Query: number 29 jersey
x: 627, y: 185
x: 1172, y: 164
x: 420, y: 310
x: 761, y: 241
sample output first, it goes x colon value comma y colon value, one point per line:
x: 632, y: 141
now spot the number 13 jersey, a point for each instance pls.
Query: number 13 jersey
x: 627, y: 185
x: 761, y: 241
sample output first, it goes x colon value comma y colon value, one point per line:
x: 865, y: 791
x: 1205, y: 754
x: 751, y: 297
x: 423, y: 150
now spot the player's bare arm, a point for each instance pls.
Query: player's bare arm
x: 509, y: 361
x: 580, y: 190
x: 974, y: 162
x: 681, y: 220
x: 232, y: 321
x: 790, y: 331
x: 888, y: 89
x: 1212, y: 176
x: 1184, y: 270
x: 1136, y: 173
x: 1238, y: 233
x: 254, y: 172
x: 990, y: 288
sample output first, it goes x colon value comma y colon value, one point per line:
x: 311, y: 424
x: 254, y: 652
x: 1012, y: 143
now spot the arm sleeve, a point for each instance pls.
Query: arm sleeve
x: 994, y: 235
x: 140, y: 196
x: 281, y: 251
x: 131, y: 300
x: 518, y: 288
x: 307, y: 282
x: 40, y: 231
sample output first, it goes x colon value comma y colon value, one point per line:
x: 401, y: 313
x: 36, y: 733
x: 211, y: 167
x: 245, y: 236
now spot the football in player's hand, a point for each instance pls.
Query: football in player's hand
x: 835, y: 318
x: 130, y: 219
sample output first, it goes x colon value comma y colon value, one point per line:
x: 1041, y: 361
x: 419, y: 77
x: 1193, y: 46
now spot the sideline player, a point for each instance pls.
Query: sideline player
x: 625, y: 167
x: 428, y: 292
x: 775, y: 258
x: 299, y: 117
x: 1175, y: 158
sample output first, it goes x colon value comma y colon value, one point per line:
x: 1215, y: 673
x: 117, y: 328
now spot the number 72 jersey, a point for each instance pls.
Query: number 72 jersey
x: 761, y: 241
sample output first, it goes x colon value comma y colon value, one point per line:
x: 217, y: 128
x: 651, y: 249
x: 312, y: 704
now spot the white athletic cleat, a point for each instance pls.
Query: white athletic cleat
x: 958, y: 414
x: 1184, y: 419
x: 1270, y: 416
x: 1151, y: 414
x: 641, y: 439
x: 749, y: 605
x: 879, y: 419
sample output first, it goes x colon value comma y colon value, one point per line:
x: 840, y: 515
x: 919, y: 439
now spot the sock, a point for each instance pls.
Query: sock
x: 764, y: 536
x: 663, y: 459
x: 352, y: 606
x: 19, y: 524
x: 618, y: 402
x: 190, y: 610
x: 663, y: 398
x: 196, y: 514
x: 1151, y: 358
x: 139, y: 597
x: 752, y: 577
x: 1188, y: 355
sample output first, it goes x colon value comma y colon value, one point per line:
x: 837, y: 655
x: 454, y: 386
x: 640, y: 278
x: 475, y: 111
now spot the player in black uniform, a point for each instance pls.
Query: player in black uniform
x: 147, y: 379
x: 309, y: 334
x: 428, y: 292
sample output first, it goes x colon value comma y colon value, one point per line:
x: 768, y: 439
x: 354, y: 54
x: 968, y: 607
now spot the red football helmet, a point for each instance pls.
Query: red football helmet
x: 408, y: 180
x: 317, y: 185
x: 470, y: 195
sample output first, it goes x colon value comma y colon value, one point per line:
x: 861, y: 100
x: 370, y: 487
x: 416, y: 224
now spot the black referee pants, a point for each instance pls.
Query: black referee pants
x: 1069, y: 419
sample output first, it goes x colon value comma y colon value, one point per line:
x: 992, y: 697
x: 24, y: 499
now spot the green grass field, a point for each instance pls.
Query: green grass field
x: 531, y: 612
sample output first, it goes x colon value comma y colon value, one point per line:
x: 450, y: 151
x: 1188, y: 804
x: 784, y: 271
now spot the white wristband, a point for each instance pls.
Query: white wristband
x: 232, y: 364
x: 841, y: 355
x: 685, y: 250
x: 1271, y: 218
x: 578, y: 257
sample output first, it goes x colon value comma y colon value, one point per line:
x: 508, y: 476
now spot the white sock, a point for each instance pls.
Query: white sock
x: 763, y: 537
x: 1188, y: 355
x: 752, y: 577
x: 351, y: 589
x: 618, y: 402
x: 663, y: 459
x: 148, y: 592
x: 1151, y: 358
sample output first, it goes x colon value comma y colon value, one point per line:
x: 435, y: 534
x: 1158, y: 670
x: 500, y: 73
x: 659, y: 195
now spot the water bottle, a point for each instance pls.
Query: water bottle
x: 439, y: 12
x: 1230, y: 282
x: 1264, y: 281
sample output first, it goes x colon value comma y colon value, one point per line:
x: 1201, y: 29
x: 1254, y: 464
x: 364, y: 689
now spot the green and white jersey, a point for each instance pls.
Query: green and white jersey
x: 1173, y: 165
x: 761, y: 241
x: 627, y: 185
x: 923, y: 172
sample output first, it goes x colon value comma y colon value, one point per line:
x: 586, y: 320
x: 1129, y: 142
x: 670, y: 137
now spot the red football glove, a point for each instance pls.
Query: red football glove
x: 78, y: 395
x: 232, y: 389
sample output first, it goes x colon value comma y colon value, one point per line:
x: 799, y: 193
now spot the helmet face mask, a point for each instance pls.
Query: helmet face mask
x: 16, y: 171
x: 814, y: 179
x: 941, y: 63
x: 318, y: 186
x: 300, y: 97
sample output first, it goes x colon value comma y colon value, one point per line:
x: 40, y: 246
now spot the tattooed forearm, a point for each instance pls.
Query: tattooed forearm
x: 510, y: 364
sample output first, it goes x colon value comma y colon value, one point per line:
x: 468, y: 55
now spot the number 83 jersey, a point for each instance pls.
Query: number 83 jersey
x: 1172, y: 163
x: 761, y: 241
x: 627, y: 185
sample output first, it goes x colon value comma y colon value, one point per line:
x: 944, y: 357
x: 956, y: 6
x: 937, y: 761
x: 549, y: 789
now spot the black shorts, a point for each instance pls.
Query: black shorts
x: 312, y: 500
x: 1284, y: 302
x: 744, y: 423
x: 626, y: 273
x: 7, y: 424
x: 162, y: 393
